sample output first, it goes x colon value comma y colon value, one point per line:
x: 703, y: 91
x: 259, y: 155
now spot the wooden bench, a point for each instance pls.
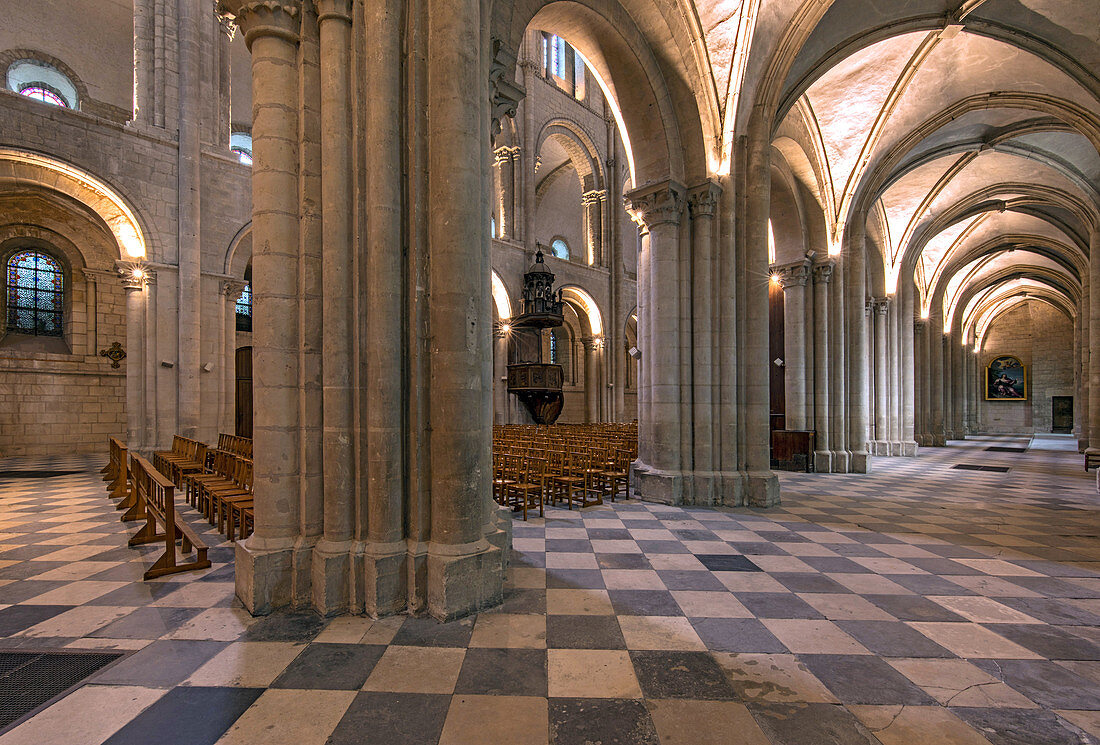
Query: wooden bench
x: 1092, y: 460
x: 117, y: 476
x: 186, y: 456
x: 156, y: 503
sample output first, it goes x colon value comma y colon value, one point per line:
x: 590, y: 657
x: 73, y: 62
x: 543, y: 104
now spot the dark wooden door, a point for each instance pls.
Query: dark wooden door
x: 244, y: 392
x: 1061, y: 414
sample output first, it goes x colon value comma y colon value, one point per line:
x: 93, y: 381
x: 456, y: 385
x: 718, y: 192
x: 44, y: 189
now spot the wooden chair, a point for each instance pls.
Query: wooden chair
x: 527, y: 492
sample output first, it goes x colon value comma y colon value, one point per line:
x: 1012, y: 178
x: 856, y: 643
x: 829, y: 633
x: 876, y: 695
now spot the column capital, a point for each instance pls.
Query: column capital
x: 594, y: 196
x: 703, y: 199
x: 502, y: 155
x: 133, y: 276
x: 823, y: 271
x: 333, y: 9
x: 793, y: 275
x: 881, y: 305
x: 256, y: 18
x: 657, y: 204
x: 591, y: 343
x: 232, y: 288
x: 96, y: 275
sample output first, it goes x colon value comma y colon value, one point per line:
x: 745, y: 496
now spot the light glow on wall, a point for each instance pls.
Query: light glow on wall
x: 85, y: 188
x: 592, y: 311
x: 500, y: 299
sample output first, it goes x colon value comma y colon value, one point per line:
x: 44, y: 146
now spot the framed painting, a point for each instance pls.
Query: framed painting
x: 1005, y: 379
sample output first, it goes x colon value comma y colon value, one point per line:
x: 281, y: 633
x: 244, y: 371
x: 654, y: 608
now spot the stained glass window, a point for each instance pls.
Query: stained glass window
x: 560, y: 248
x: 35, y: 294
x: 38, y: 93
x: 244, y: 309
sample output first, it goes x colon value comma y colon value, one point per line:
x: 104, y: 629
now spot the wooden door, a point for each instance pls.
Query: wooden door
x: 1061, y: 414
x: 244, y: 392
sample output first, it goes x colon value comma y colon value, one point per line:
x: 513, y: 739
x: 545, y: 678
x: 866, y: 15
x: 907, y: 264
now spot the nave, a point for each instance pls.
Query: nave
x: 860, y: 611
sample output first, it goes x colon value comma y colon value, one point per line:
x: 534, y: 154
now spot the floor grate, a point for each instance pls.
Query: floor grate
x: 31, y: 679
x: 1003, y: 449
x: 973, y: 467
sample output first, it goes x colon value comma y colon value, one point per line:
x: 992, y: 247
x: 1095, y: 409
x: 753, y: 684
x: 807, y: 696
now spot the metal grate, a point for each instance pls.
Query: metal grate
x: 1004, y: 449
x: 972, y: 467
x: 29, y: 680
x: 35, y: 474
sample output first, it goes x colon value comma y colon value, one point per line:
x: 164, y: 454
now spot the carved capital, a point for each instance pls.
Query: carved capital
x: 505, y: 92
x: 823, y: 272
x: 593, y: 197
x: 502, y: 155
x: 703, y: 199
x: 256, y: 18
x: 881, y: 305
x: 225, y: 24
x: 657, y: 205
x: 794, y: 275
x: 232, y: 289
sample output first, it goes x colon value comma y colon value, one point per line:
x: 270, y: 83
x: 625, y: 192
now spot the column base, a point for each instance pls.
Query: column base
x: 860, y: 463
x: 267, y: 576
x: 823, y: 461
x: 938, y: 441
x: 761, y: 489
x: 840, y: 461
x: 464, y: 579
x: 654, y: 485
x: 331, y: 577
x: 384, y: 571
x: 908, y: 449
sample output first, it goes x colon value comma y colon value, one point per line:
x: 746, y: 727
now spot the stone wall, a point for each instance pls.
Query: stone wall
x: 1042, y: 338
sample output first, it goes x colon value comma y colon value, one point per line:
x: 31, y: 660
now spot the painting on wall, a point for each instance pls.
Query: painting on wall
x: 1005, y: 379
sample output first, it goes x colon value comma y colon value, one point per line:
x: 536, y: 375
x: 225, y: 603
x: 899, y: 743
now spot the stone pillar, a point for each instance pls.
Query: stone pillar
x: 823, y: 456
x: 793, y: 279
x: 880, y: 307
x: 762, y: 485
x: 136, y: 437
x: 465, y: 571
x: 703, y: 203
x: 592, y: 202
x: 189, y: 246
x: 936, y: 380
x: 1084, y: 321
x: 838, y: 371
x: 907, y: 363
x: 858, y: 357
x: 331, y: 569
x: 920, y: 332
x: 658, y: 471
x: 893, y: 377
x: 231, y: 290
x: 500, y: 373
x: 505, y: 165
x: 959, y: 389
x: 515, y: 209
x: 591, y: 379
x: 1094, y: 343
x: 265, y: 559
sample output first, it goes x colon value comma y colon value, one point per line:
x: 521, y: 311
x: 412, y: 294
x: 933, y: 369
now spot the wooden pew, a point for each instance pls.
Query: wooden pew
x: 117, y: 475
x: 156, y: 503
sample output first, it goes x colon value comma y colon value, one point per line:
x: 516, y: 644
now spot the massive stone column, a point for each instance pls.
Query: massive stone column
x: 331, y: 580
x: 465, y: 571
x: 702, y: 204
x: 135, y: 370
x: 793, y: 279
x: 1084, y: 321
x: 823, y: 456
x: 265, y: 559
x: 893, y: 377
x: 658, y: 471
x: 907, y: 363
x: 858, y: 358
x: 880, y: 307
x: 936, y: 380
x: 923, y: 423
x: 959, y: 389
x: 761, y: 484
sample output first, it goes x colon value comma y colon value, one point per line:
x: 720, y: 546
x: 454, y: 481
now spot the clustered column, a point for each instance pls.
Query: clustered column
x: 793, y: 279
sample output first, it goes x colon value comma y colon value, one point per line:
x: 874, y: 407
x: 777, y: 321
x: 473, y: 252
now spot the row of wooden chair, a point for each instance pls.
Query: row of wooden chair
x: 223, y: 493
x: 147, y: 494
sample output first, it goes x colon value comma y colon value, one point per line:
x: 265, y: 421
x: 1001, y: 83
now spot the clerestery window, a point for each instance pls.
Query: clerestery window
x: 560, y: 248
x: 42, y: 82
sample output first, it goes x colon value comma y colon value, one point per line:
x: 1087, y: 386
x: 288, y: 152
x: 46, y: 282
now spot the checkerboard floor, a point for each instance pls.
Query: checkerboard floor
x: 919, y: 604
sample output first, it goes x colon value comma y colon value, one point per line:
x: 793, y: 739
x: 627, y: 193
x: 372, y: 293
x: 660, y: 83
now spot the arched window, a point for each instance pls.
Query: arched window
x: 244, y: 309
x: 560, y: 248
x: 35, y: 294
x: 42, y: 82
x: 241, y: 144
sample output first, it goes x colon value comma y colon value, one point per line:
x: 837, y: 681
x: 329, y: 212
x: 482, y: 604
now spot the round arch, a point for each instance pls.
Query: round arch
x: 24, y: 168
x: 502, y: 304
x: 586, y: 308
